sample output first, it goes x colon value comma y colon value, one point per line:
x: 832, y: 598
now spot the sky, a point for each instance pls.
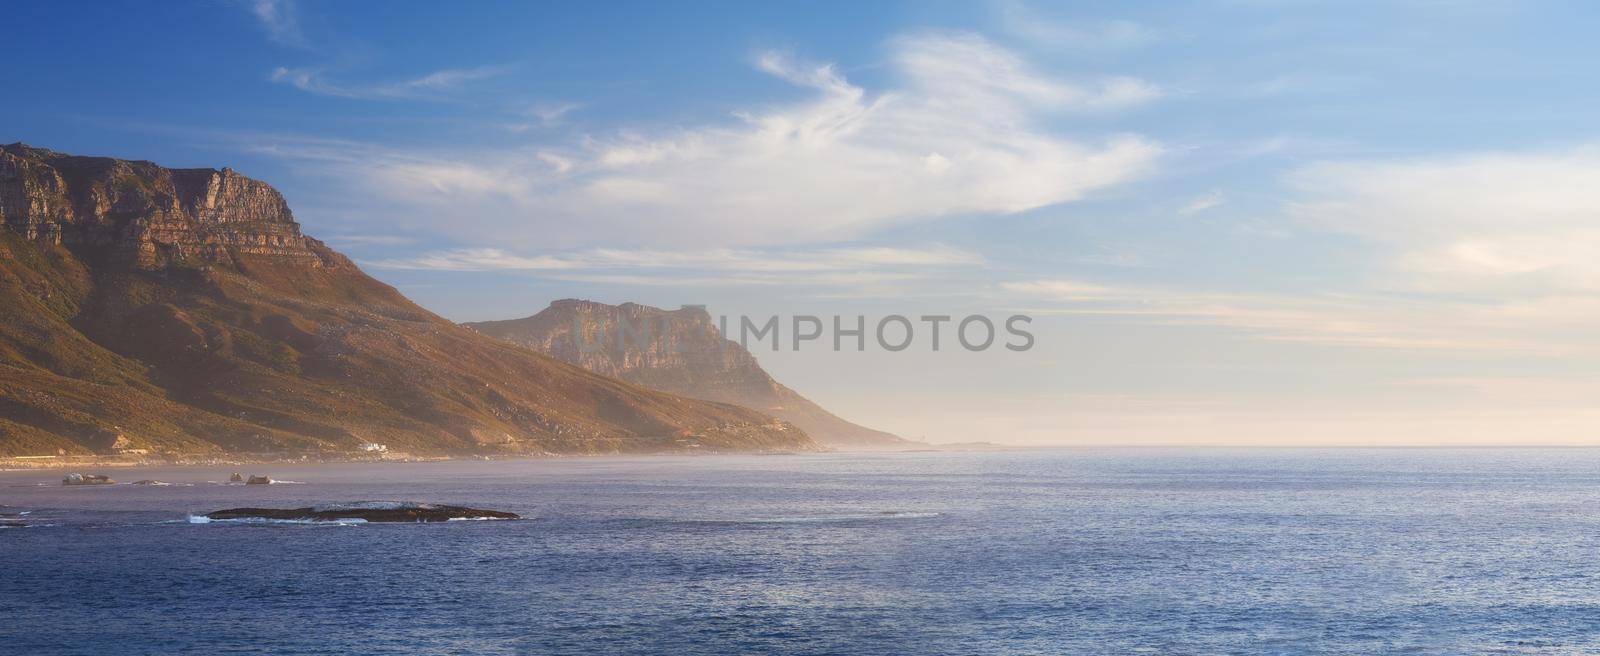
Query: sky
x: 1288, y: 223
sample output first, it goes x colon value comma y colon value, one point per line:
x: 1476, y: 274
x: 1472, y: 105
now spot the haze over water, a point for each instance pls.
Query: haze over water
x: 1073, y: 551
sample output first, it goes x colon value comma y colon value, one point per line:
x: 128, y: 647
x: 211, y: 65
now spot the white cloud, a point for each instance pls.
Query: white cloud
x: 1547, y: 326
x: 858, y: 272
x: 968, y: 71
x: 869, y: 284
x: 370, y: 240
x: 1109, y: 255
x: 962, y: 132
x: 740, y: 260
x: 1046, y: 32
x: 544, y: 115
x: 280, y: 19
x: 1491, y: 252
x: 445, y: 79
x: 475, y: 259
x: 432, y: 85
x: 1493, y: 223
x: 1203, y: 202
x: 1060, y: 290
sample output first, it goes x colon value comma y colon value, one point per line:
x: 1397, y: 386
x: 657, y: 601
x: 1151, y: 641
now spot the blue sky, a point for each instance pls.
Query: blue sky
x: 1234, y: 221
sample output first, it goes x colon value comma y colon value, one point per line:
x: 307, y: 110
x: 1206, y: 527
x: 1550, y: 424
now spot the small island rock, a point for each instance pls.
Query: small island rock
x: 369, y: 511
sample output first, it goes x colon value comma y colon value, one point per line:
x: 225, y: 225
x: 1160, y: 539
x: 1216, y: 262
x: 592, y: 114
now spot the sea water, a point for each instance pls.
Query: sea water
x: 1201, y: 551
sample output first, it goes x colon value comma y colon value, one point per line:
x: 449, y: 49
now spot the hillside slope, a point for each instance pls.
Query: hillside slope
x: 689, y: 357
x: 182, y: 311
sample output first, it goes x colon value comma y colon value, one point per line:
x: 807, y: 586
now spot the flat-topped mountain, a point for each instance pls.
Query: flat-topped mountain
x: 683, y: 353
x: 144, y: 216
x: 182, y: 311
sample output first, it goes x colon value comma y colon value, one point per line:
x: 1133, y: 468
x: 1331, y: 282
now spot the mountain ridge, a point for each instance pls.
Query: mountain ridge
x: 684, y: 353
x: 183, y: 311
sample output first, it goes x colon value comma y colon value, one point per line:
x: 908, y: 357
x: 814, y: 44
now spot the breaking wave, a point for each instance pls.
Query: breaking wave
x: 826, y: 518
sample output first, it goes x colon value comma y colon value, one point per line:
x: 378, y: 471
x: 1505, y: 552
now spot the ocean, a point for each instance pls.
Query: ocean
x: 1073, y: 551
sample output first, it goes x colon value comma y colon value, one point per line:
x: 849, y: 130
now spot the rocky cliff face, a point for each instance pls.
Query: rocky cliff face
x: 146, y: 216
x: 183, y: 311
x: 678, y: 351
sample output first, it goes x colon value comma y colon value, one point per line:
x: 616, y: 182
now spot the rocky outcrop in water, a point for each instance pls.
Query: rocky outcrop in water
x: 87, y: 479
x: 370, y: 511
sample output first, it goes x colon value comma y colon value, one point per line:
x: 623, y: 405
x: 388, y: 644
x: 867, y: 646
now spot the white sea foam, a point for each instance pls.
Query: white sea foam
x: 842, y: 517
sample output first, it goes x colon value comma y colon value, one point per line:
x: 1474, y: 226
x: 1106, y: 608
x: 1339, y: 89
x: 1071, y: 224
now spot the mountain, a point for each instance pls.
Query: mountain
x: 182, y: 311
x: 684, y: 353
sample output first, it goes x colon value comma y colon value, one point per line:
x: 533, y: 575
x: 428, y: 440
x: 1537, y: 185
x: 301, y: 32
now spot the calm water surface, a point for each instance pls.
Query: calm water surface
x: 1063, y: 552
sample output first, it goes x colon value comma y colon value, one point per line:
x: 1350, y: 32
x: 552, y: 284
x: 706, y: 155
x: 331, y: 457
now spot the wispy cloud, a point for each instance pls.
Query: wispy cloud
x: 1492, y: 253
x: 1549, y: 326
x: 853, y: 271
x: 543, y: 115
x: 1498, y: 224
x: 804, y: 261
x: 863, y: 284
x: 969, y: 71
x: 1110, y: 255
x: 432, y: 85
x: 281, y: 20
x: 1045, y: 31
x: 371, y: 240
x: 962, y: 132
x: 1203, y: 202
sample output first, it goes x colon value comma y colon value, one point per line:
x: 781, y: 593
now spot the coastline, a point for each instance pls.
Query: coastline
x: 61, y: 463
x: 85, y: 462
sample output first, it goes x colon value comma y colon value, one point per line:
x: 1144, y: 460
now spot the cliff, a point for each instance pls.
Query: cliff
x: 684, y: 353
x: 147, y: 217
x: 183, y: 311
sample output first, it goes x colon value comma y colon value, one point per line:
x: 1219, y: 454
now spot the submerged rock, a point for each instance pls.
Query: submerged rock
x: 259, y: 480
x: 236, y: 478
x: 370, y: 511
x: 151, y: 481
x: 87, y: 479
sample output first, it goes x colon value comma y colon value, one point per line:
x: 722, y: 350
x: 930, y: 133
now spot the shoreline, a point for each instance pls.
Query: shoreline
x: 65, y: 463
x: 61, y: 463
